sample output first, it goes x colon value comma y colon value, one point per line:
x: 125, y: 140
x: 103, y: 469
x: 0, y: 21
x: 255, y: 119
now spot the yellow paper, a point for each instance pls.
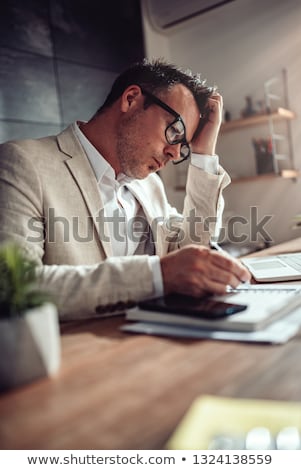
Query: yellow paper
x: 210, y: 416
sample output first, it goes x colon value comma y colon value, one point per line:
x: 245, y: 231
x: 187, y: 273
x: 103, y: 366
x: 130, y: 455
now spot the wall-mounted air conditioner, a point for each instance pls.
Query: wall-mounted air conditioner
x: 164, y: 14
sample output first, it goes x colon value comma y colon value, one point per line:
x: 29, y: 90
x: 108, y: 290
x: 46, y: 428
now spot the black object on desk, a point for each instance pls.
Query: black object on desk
x: 205, y: 307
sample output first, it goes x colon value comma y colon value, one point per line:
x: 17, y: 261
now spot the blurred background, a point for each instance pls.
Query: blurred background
x: 58, y: 59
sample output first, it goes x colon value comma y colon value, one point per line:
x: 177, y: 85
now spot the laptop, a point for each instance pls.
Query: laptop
x: 275, y: 268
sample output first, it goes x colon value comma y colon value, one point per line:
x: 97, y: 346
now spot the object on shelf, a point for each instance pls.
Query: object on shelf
x: 264, y: 155
x: 249, y: 109
x: 296, y: 222
x: 272, y: 94
x: 227, y: 115
x: 261, y: 107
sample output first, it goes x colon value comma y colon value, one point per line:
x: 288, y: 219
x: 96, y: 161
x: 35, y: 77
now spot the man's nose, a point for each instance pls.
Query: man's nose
x: 173, y: 151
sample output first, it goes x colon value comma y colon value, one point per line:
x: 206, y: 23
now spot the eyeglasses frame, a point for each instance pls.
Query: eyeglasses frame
x: 177, y: 117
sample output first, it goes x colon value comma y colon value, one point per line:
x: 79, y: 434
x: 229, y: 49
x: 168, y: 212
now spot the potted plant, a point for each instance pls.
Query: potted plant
x: 29, y: 329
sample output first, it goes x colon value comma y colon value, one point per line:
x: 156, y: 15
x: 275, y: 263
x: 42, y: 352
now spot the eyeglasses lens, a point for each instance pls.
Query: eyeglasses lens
x: 185, y: 151
x: 175, y: 134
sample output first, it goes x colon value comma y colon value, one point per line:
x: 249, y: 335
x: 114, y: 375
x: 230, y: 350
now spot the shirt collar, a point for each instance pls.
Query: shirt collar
x: 100, y: 165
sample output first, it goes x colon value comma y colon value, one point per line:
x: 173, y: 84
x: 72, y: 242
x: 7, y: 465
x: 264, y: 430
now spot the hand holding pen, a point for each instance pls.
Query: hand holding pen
x: 197, y: 270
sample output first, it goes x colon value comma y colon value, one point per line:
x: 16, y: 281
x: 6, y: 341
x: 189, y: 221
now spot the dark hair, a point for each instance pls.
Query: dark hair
x: 158, y: 76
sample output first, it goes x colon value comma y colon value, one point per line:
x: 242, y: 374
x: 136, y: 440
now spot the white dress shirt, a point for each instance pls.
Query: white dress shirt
x: 121, y: 207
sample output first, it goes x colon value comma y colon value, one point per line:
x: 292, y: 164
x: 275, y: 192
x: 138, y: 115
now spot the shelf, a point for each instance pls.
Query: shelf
x: 285, y: 174
x: 257, y: 119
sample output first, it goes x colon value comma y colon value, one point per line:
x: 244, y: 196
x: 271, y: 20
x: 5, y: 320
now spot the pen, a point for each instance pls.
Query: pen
x: 215, y: 246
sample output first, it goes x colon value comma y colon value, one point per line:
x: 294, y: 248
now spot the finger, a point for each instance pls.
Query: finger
x: 231, y: 265
x: 215, y: 107
x: 216, y: 100
x: 216, y: 96
x: 221, y: 276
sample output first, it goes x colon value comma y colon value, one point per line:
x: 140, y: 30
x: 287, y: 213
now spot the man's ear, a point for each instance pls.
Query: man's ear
x: 130, y: 97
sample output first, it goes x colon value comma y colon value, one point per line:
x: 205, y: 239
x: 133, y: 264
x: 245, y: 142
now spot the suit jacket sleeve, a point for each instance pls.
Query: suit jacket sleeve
x: 202, y: 214
x: 203, y: 206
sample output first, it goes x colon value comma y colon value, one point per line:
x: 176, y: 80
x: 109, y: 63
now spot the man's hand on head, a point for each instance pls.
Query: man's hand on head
x: 205, y: 141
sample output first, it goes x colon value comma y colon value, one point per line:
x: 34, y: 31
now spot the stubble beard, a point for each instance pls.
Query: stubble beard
x: 128, y: 148
x: 128, y: 163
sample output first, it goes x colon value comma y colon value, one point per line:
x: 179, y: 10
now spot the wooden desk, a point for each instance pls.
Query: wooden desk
x: 121, y: 391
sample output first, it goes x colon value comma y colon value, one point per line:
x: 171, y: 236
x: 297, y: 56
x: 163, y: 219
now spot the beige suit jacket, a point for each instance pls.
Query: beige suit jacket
x: 51, y: 205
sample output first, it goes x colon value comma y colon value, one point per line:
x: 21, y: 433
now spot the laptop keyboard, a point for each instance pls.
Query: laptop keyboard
x: 294, y: 261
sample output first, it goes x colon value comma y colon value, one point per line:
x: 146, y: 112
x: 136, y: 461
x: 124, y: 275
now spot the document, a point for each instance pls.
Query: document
x: 273, y: 315
x: 265, y: 304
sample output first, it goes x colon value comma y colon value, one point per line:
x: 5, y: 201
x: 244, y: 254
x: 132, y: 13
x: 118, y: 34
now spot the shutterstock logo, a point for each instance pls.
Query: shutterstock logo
x: 115, y: 228
x: 240, y: 229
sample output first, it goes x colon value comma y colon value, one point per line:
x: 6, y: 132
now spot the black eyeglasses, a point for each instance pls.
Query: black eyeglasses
x: 175, y: 132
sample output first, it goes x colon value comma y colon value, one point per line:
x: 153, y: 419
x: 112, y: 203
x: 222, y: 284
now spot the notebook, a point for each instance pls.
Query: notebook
x: 275, y: 268
x: 278, y: 332
x: 265, y: 304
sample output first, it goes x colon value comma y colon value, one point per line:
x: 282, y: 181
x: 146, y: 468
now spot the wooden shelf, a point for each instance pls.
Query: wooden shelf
x: 277, y: 115
x: 285, y: 174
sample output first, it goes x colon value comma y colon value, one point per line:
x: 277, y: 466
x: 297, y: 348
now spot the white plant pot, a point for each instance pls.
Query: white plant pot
x: 29, y: 346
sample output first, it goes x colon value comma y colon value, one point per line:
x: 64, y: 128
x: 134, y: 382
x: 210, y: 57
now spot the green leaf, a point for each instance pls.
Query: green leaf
x: 18, y: 292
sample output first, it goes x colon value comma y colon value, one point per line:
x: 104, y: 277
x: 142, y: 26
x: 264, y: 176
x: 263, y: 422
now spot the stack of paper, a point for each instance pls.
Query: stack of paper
x: 273, y: 315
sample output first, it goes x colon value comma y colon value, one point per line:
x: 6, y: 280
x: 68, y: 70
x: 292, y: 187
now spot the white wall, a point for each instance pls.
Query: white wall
x: 237, y: 47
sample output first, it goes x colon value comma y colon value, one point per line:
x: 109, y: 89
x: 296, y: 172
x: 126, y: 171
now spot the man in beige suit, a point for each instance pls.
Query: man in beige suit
x: 88, y: 206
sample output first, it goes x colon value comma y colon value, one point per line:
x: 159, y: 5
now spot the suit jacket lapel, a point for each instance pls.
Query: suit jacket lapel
x: 84, y: 176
